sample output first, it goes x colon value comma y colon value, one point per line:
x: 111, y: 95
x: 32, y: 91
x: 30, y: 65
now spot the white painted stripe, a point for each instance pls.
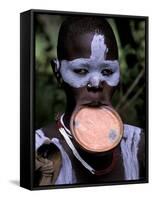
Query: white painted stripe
x: 75, y: 152
x: 129, y: 149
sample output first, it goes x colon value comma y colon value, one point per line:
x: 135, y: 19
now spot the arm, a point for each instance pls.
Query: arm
x: 47, y: 161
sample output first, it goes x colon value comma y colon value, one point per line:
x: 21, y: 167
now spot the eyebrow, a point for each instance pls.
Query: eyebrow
x: 79, y: 63
x: 85, y: 62
x: 110, y: 64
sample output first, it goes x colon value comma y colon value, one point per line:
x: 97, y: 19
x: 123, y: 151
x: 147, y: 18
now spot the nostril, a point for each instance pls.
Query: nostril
x: 94, y: 88
x: 95, y: 82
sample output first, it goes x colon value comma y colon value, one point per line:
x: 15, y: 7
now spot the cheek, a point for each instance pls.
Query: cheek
x: 108, y: 91
x: 114, y: 79
x: 73, y: 79
x: 79, y: 94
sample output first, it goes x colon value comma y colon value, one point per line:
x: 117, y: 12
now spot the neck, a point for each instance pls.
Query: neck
x: 97, y: 160
x: 66, y: 119
x: 70, y: 106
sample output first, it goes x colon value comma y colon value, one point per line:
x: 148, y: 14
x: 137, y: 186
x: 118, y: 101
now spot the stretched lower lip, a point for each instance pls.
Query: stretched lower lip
x: 94, y: 99
x: 96, y: 103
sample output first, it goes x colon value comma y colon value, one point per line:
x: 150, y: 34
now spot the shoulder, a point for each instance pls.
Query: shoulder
x: 133, y: 134
x: 45, y: 134
x: 47, y: 150
x: 133, y: 141
x: 130, y: 130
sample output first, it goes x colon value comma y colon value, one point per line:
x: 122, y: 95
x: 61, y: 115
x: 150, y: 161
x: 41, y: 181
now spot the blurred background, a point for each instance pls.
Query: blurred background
x: 129, y: 99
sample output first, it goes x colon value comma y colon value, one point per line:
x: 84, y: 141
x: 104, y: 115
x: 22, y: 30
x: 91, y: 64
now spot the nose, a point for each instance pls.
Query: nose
x: 94, y: 88
x: 95, y: 82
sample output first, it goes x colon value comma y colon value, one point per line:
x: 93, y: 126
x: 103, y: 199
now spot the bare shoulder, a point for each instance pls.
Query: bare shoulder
x: 134, y: 139
x: 133, y: 133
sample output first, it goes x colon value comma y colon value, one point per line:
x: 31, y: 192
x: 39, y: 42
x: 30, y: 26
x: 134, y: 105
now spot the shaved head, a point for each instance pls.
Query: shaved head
x: 87, y: 62
x: 76, y: 35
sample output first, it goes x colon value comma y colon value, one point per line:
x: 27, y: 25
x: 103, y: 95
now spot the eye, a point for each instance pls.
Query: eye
x: 81, y: 71
x: 106, y: 72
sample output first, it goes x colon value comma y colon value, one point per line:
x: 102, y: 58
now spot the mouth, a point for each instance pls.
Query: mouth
x: 95, y: 103
x: 92, y: 99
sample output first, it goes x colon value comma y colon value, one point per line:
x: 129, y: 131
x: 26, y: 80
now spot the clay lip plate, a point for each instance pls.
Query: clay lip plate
x: 97, y: 129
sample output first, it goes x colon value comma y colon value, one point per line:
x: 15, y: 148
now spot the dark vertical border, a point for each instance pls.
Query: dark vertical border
x: 32, y: 98
x: 33, y: 93
x: 26, y: 122
x: 147, y: 97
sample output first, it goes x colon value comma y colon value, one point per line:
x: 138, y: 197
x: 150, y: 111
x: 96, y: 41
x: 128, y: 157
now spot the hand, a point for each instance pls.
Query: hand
x: 45, y: 167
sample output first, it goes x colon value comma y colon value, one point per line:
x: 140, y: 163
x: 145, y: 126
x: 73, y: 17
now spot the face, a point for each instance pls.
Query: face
x: 88, y: 71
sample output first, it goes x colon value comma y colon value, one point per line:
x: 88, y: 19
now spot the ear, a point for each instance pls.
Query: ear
x: 56, y: 69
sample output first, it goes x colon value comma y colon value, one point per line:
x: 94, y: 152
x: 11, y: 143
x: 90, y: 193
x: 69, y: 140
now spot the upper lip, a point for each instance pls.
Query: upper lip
x: 96, y: 103
x: 93, y: 99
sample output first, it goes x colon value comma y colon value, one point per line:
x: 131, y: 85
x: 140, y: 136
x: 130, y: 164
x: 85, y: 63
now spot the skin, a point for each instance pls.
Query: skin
x: 82, y: 71
x: 101, y: 91
x: 96, y: 95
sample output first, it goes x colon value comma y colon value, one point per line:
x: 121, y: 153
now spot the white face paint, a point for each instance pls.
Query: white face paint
x: 93, y: 68
x: 98, y: 47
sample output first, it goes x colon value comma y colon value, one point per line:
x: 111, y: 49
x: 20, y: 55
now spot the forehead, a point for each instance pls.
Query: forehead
x: 80, y: 46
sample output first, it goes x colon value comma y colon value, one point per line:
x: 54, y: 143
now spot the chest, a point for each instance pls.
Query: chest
x: 84, y: 176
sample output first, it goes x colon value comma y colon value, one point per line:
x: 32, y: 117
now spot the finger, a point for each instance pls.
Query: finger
x: 47, y: 174
x: 50, y: 164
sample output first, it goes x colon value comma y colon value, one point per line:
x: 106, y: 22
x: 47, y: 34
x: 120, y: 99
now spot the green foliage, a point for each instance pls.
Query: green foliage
x: 130, y: 99
x: 50, y: 98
